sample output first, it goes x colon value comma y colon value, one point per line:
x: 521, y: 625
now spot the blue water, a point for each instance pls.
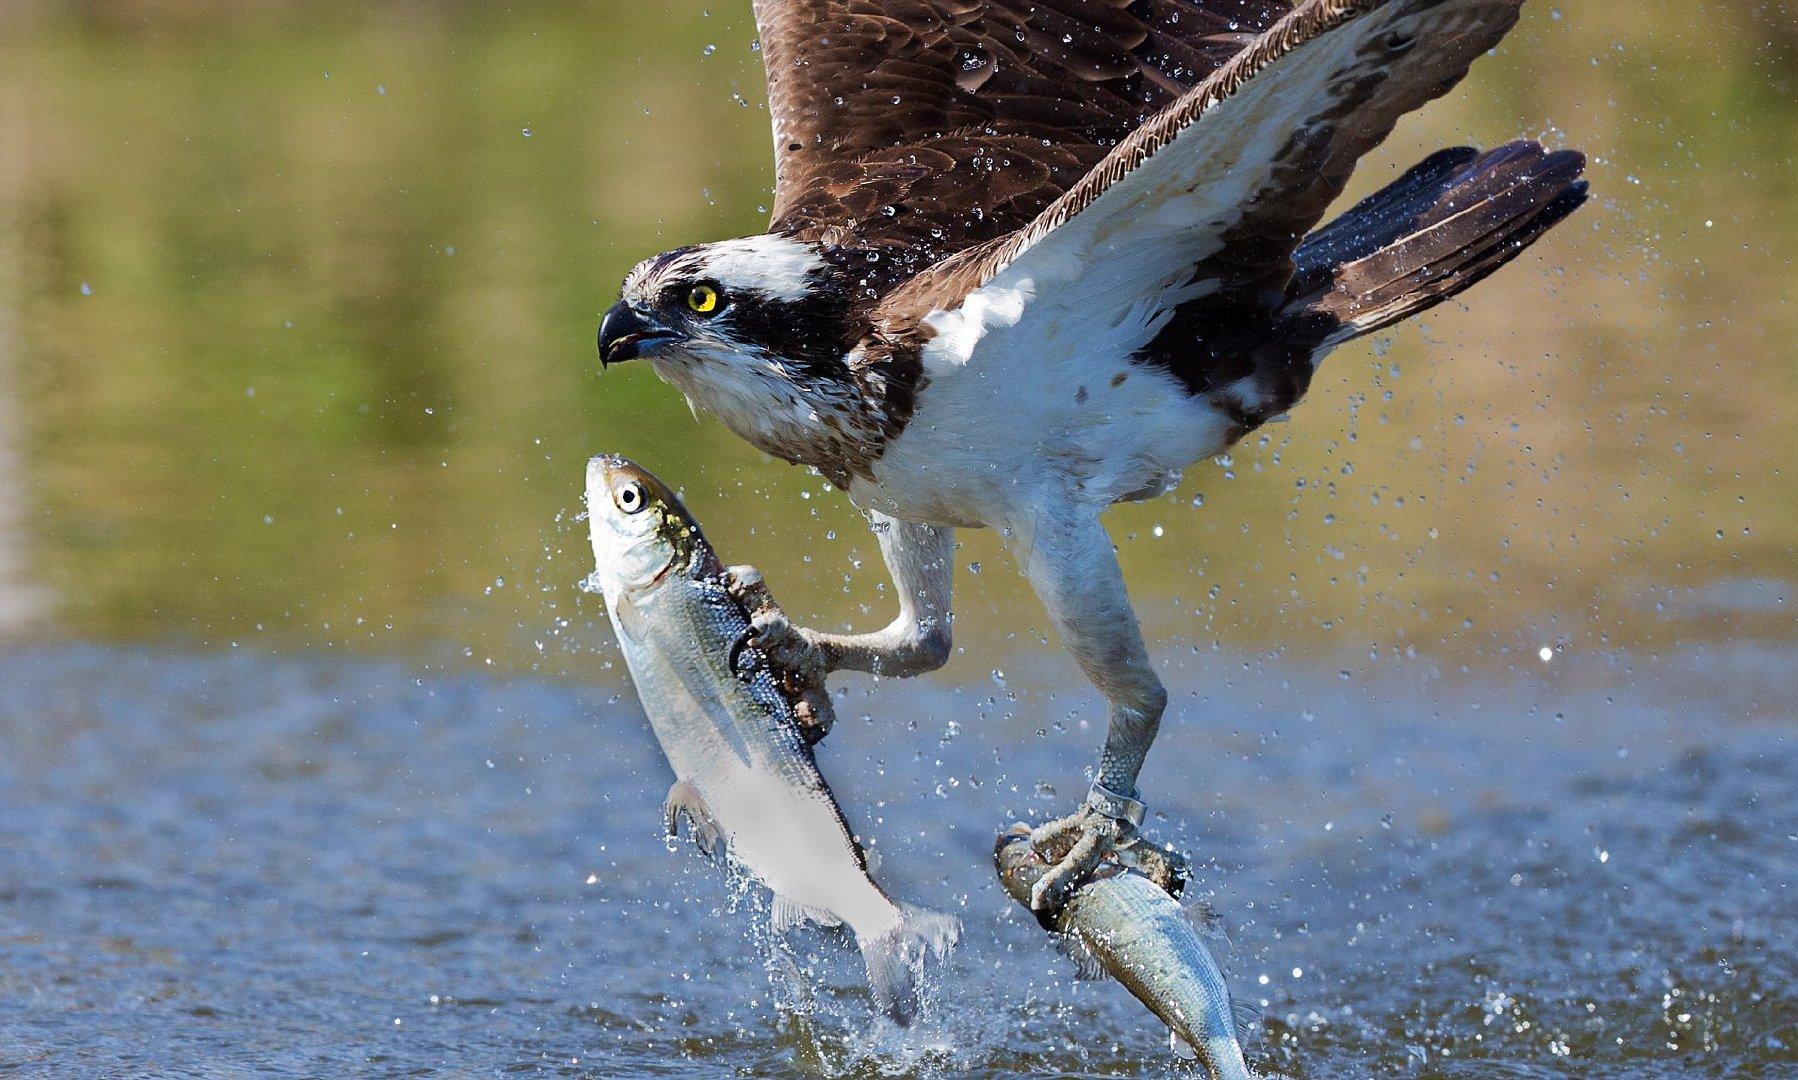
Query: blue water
x: 238, y: 865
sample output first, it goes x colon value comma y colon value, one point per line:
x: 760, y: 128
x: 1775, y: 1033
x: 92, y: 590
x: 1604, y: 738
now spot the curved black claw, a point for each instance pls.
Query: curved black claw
x: 791, y: 650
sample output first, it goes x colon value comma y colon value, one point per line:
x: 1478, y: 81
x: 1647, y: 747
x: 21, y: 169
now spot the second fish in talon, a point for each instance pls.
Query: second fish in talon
x: 1121, y: 923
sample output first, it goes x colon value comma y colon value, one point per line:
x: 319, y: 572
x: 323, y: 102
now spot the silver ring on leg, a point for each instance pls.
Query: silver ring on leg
x: 1123, y: 809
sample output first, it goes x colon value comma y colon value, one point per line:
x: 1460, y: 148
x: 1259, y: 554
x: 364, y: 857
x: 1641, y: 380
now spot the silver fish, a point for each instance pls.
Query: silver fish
x: 1123, y: 924
x: 746, y: 780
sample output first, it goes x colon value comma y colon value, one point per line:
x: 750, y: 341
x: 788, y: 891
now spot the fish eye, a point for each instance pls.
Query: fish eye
x: 630, y: 498
x: 704, y: 298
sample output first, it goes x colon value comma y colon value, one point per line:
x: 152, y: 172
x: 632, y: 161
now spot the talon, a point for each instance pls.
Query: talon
x: 746, y: 584
x: 797, y: 658
x: 1098, y: 836
x: 1160, y: 864
x: 813, y: 710
x: 1052, y: 839
x: 787, y: 645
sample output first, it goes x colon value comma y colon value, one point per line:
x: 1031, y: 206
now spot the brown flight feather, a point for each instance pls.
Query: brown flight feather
x: 917, y: 128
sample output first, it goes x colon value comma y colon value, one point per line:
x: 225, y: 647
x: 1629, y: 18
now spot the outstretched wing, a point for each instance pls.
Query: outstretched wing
x: 913, y: 129
x: 1206, y: 202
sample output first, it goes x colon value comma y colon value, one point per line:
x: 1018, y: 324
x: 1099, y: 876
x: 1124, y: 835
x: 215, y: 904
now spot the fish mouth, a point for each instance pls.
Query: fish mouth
x: 599, y: 475
x: 626, y: 333
x: 604, y: 469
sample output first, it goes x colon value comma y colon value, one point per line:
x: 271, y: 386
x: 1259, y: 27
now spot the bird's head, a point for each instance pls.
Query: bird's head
x: 735, y: 304
x: 754, y: 330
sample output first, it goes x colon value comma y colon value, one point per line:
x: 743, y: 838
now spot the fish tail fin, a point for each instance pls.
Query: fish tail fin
x: 895, y: 958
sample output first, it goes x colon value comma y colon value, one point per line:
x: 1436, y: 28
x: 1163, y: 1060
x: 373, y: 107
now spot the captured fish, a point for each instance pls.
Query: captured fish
x: 745, y: 776
x: 1128, y: 926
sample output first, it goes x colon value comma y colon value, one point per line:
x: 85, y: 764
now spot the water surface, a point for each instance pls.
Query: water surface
x: 212, y: 865
x: 315, y: 761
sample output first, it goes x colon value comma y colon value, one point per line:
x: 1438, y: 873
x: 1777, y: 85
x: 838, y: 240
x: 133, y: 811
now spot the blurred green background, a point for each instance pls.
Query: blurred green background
x: 297, y: 307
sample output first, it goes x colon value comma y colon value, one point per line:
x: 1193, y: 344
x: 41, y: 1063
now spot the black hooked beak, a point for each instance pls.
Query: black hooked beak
x: 625, y: 334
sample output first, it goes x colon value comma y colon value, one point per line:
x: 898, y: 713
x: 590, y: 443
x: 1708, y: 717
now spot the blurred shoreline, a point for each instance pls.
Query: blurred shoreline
x: 334, y: 382
x: 21, y: 600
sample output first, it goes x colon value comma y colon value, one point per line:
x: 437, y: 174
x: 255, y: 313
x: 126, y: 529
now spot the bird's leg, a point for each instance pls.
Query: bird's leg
x: 1069, y: 560
x: 921, y: 559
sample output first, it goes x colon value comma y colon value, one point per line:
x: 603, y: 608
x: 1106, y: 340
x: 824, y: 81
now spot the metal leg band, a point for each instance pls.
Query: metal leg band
x: 1103, y: 800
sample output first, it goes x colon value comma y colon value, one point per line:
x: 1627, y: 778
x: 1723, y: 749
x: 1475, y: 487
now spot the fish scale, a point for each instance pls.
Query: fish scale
x: 746, y: 776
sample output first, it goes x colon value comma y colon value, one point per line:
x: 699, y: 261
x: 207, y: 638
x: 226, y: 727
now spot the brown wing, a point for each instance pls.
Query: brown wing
x: 1179, y: 246
x: 1229, y: 179
x: 915, y: 128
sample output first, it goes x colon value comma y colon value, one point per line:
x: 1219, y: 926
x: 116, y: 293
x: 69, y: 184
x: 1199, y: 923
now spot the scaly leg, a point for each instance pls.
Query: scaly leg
x: 1068, y: 558
x: 921, y: 559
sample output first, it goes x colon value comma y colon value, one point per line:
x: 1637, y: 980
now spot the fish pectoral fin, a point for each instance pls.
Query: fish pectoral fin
x: 1208, y: 920
x: 1087, y: 962
x: 1182, y: 1049
x: 684, y: 801
x: 790, y: 913
x: 1245, y: 1020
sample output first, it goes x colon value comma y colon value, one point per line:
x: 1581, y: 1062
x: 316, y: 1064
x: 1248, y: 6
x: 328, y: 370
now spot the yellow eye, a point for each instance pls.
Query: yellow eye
x: 703, y: 299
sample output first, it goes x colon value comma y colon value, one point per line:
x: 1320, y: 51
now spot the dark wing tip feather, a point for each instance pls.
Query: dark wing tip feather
x: 1402, y: 199
x: 1405, y: 249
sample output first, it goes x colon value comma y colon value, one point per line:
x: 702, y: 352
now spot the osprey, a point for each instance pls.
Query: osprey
x: 1030, y: 258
